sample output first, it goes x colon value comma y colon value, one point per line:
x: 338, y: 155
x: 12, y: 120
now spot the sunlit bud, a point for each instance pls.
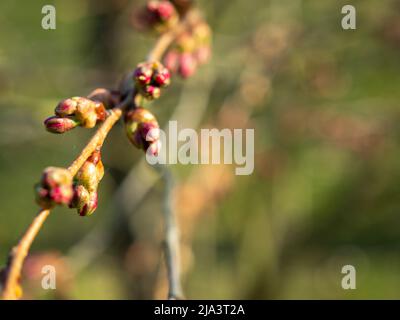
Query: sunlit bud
x: 95, y: 158
x: 87, y: 176
x: 142, y: 128
x: 81, y: 196
x: 187, y: 65
x: 162, y: 76
x: 60, y: 125
x: 86, y: 112
x: 143, y: 74
x: 151, y: 92
x: 61, y: 195
x: 89, y: 120
x: 89, y: 206
x: 66, y: 107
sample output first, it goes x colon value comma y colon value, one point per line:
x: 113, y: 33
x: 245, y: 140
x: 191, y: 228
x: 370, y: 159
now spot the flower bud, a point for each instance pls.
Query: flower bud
x: 66, y: 107
x: 161, y: 15
x: 150, y: 77
x: 54, y: 188
x: 60, y: 125
x: 162, y: 77
x: 86, y: 184
x: 86, y: 208
x: 142, y: 129
x: 143, y: 74
x: 87, y: 176
x: 151, y: 92
x: 171, y: 60
x: 187, y: 65
x: 91, y: 172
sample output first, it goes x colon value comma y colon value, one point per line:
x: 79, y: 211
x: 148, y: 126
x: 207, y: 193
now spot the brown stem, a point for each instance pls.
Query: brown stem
x: 20, y: 251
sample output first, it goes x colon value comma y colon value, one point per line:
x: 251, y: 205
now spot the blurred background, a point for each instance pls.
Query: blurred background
x: 324, y: 103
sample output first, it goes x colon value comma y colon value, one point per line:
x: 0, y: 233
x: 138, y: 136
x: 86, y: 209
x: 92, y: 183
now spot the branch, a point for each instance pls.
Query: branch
x: 171, y: 241
x: 19, y: 252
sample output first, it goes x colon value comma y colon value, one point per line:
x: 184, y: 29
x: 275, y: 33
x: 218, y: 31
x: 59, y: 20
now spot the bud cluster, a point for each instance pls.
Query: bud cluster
x: 143, y: 130
x: 73, y: 112
x: 192, y: 49
x: 150, y: 77
x: 55, y: 187
x: 86, y: 184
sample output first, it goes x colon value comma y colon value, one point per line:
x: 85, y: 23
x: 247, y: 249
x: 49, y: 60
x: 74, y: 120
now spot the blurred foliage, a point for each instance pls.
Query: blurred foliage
x: 324, y: 103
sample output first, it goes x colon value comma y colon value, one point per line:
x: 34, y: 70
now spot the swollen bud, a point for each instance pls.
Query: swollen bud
x: 171, y: 60
x: 66, y: 107
x: 60, y: 125
x: 54, y: 188
x: 187, y: 65
x: 86, y: 184
x: 143, y: 130
x: 88, y: 207
x: 161, y: 15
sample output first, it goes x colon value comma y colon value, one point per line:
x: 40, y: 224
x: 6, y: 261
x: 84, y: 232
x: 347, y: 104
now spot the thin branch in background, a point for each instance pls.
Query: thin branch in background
x: 171, y: 241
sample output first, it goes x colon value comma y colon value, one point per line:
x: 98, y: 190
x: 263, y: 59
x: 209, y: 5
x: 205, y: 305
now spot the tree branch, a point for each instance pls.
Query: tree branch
x: 19, y: 252
x: 171, y: 241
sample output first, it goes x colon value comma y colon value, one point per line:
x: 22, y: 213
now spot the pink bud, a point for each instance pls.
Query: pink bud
x: 150, y: 131
x: 165, y: 10
x: 143, y: 74
x: 60, y: 125
x: 162, y: 77
x: 161, y: 11
x: 187, y: 65
x: 61, y: 194
x: 66, y: 107
x: 142, y: 128
x: 154, y: 148
x: 90, y: 206
x: 151, y: 92
x: 171, y: 60
x: 55, y: 187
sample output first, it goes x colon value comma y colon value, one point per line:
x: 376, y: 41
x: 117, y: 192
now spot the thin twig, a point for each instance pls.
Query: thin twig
x: 19, y: 252
x: 171, y: 241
